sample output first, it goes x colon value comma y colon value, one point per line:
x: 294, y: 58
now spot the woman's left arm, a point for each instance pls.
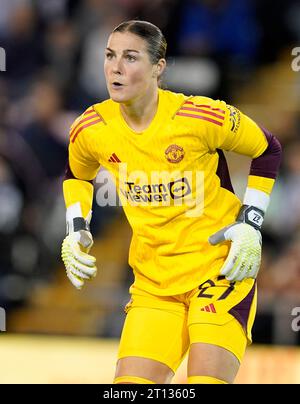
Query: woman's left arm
x: 242, y: 135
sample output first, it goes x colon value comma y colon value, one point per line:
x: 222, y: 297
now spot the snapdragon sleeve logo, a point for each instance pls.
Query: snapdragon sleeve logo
x: 2, y: 320
x: 235, y: 118
x: 2, y: 60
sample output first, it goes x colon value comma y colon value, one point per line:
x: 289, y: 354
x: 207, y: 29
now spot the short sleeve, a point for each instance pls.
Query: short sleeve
x: 83, y: 160
x: 234, y: 132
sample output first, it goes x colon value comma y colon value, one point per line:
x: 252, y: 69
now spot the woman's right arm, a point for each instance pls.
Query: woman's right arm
x: 82, y: 168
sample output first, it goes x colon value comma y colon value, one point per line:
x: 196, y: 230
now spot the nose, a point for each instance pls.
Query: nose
x: 117, y: 66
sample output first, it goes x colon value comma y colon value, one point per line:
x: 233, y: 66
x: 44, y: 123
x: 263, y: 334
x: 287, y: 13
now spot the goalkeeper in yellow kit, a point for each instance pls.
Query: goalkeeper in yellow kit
x: 196, y: 249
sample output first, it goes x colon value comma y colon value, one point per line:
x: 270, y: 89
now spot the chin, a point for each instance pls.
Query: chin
x: 120, y: 98
x: 116, y: 98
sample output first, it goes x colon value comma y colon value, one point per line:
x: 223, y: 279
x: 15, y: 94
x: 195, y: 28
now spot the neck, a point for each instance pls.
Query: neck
x: 139, y: 113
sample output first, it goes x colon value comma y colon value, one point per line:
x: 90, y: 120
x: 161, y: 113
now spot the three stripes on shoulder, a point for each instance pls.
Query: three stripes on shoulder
x: 88, y: 118
x: 202, y: 111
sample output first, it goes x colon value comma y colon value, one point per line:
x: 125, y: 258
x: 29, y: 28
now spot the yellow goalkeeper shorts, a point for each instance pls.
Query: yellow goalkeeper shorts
x: 218, y: 312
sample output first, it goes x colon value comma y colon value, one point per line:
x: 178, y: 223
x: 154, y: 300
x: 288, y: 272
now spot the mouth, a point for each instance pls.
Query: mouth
x: 117, y: 85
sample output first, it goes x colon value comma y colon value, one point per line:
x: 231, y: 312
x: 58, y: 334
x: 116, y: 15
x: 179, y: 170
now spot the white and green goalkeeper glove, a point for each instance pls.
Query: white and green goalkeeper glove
x: 80, y: 266
x: 244, y: 257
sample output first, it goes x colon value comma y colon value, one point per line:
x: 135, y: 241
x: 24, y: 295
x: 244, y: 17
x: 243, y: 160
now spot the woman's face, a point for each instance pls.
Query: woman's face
x: 128, y: 70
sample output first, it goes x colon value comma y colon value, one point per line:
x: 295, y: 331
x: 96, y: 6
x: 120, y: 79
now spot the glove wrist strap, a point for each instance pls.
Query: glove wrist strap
x: 251, y: 215
x: 77, y: 224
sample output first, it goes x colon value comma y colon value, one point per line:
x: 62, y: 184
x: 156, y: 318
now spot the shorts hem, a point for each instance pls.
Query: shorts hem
x: 172, y: 366
x: 237, y: 349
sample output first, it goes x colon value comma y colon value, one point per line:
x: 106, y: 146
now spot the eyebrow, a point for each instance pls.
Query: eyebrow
x: 126, y: 50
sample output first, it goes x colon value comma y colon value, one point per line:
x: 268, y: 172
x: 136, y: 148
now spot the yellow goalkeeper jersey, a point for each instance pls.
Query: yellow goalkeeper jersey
x: 172, y: 180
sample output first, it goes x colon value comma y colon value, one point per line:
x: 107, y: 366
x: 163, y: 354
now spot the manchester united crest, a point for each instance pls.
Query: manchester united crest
x: 174, y: 153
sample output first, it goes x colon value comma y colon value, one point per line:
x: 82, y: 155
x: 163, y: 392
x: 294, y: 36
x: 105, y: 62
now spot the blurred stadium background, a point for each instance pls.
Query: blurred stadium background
x: 239, y: 51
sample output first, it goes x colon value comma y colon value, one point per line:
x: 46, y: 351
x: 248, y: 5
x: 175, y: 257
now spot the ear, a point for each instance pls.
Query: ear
x: 159, y: 68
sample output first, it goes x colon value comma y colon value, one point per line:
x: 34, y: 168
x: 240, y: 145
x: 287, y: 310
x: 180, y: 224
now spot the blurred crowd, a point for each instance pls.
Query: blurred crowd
x: 54, y: 58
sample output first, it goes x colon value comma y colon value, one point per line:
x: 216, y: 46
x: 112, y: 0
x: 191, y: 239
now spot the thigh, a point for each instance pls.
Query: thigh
x: 154, y: 339
x: 211, y: 358
x: 212, y: 361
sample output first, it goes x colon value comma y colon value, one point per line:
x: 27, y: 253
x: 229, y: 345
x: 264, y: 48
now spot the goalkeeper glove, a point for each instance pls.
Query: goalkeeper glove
x: 80, y: 266
x: 244, y: 257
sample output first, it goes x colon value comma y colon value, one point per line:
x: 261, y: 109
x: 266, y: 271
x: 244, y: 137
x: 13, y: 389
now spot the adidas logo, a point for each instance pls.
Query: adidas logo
x: 209, y: 308
x: 114, y: 158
